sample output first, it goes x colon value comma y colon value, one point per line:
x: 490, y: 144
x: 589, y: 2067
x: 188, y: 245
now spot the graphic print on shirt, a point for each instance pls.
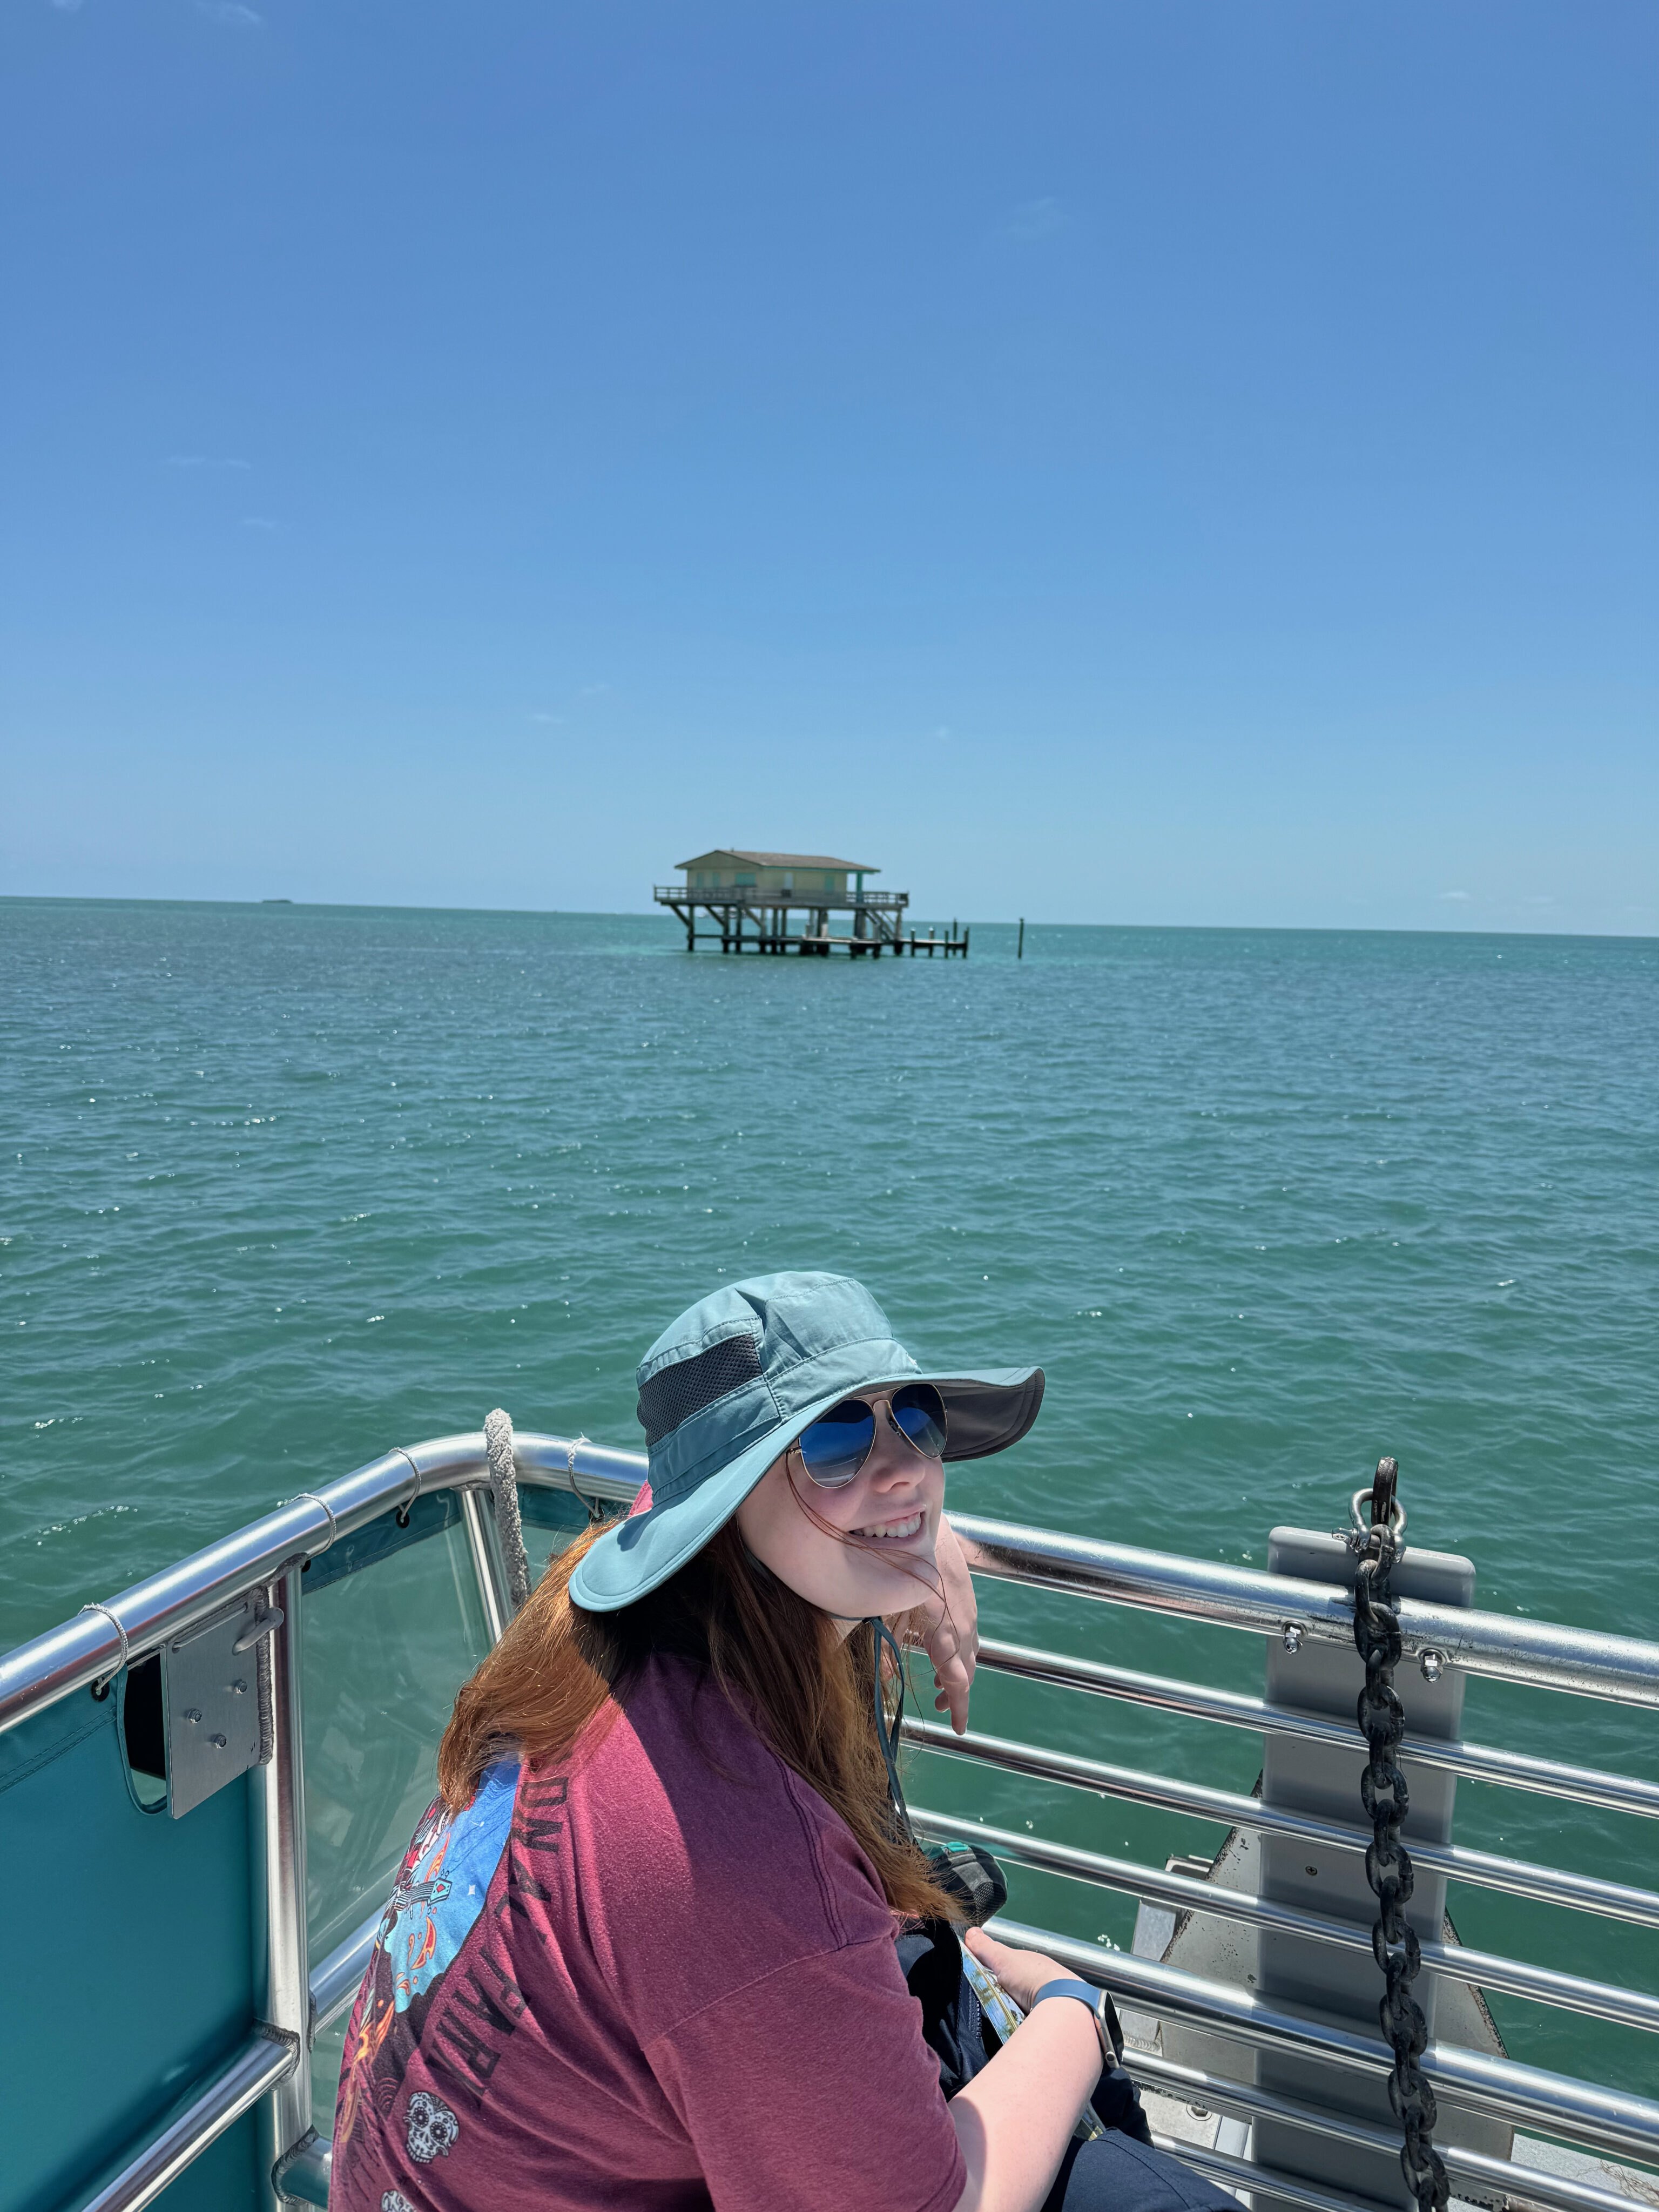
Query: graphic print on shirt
x: 433, y: 2128
x: 440, y: 1891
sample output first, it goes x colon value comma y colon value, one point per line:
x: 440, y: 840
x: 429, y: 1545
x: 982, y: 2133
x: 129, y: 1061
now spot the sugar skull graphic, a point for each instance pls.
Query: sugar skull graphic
x: 433, y: 2128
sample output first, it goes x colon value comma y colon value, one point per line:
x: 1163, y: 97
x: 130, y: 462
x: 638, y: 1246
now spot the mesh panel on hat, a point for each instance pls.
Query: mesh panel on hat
x: 675, y: 1392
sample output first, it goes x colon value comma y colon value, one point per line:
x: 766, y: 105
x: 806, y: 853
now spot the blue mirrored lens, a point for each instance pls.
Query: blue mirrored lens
x: 920, y: 1411
x: 834, y: 1448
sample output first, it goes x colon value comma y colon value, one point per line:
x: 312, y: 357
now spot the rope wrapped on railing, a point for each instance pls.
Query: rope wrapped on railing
x: 504, y: 1483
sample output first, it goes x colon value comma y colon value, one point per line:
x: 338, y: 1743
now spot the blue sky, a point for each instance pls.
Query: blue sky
x: 1146, y: 463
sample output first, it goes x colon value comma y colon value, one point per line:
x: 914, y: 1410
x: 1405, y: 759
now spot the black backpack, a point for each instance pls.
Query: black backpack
x: 953, y: 2020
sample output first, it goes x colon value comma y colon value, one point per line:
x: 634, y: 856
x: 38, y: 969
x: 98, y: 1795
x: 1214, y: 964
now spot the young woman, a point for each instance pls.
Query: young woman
x: 642, y: 1953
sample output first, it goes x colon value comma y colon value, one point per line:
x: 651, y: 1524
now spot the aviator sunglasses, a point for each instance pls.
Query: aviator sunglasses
x: 836, y: 1446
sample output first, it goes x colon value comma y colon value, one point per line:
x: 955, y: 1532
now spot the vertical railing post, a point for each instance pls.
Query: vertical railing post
x: 486, y: 1563
x: 282, y: 1980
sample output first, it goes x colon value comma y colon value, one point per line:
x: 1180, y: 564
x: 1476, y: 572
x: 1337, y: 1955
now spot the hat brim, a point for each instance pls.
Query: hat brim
x: 985, y: 1412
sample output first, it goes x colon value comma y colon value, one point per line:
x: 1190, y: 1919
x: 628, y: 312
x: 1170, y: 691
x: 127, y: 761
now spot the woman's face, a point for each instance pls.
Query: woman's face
x: 894, y: 1501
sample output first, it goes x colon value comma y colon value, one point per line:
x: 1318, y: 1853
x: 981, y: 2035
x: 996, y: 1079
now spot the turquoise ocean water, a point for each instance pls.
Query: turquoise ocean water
x: 282, y: 1187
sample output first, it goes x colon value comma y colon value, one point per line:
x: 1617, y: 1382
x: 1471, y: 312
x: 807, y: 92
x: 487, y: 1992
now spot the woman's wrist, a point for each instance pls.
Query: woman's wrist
x: 1067, y: 1985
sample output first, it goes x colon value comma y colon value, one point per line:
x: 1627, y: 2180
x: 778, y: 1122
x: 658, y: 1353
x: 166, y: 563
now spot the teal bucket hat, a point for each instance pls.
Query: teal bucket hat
x: 733, y: 1382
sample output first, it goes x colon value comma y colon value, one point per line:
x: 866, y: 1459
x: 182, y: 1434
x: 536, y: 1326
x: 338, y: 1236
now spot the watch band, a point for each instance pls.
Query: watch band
x: 1086, y: 1993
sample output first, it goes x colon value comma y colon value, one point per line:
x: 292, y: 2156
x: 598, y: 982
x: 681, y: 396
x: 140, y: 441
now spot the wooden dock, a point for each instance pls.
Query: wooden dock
x: 743, y: 929
x: 735, y: 936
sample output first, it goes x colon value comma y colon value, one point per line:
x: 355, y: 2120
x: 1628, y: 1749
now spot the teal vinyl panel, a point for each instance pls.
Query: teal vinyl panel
x: 550, y: 1518
x: 553, y: 1508
x: 427, y: 1516
x: 131, y: 1933
x: 384, y: 1652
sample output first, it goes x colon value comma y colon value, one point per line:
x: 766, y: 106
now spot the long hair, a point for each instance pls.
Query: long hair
x: 559, y: 1670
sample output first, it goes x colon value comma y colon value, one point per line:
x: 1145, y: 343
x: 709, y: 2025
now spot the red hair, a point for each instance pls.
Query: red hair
x: 560, y: 1670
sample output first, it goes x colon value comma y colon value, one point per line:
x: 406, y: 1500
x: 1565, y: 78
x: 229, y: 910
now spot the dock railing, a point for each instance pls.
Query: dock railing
x: 750, y: 895
x: 268, y: 1559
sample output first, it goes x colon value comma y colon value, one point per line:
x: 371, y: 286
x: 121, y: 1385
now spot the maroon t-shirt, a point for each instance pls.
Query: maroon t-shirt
x: 660, y: 1975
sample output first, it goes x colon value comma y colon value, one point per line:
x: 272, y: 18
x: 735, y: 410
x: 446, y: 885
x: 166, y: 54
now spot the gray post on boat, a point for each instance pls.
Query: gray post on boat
x: 1298, y: 1972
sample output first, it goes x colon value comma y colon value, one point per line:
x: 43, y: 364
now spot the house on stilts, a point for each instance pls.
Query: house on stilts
x: 783, y: 902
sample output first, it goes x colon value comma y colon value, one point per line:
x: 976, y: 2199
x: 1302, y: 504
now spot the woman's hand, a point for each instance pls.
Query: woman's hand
x: 1013, y: 2119
x: 948, y: 1628
x: 1022, y: 1973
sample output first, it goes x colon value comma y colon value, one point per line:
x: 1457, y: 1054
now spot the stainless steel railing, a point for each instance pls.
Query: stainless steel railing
x: 1189, y: 1893
x: 1587, y: 1661
x: 1510, y: 1770
x: 1605, y: 2120
x: 774, y: 895
x: 1228, y: 1809
x: 297, y: 2004
x: 259, y: 2069
x: 87, y: 1649
x: 140, y: 1620
x: 1246, y: 2101
x: 1501, y: 1644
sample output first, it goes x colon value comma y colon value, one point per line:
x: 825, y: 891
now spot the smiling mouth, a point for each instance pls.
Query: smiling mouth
x: 892, y: 1532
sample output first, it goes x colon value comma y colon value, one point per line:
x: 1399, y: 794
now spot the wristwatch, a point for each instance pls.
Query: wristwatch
x: 1101, y: 2011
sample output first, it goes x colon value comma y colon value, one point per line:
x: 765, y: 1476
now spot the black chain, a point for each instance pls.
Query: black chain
x: 1388, y: 1862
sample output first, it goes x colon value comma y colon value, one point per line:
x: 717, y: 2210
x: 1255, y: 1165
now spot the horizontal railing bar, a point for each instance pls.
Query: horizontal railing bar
x: 1236, y: 2174
x: 80, y: 1650
x: 252, y: 2074
x: 1510, y: 1770
x: 68, y: 1657
x: 1190, y: 1893
x: 1585, y: 1661
x: 335, y: 1983
x: 771, y: 898
x: 87, y: 1646
x: 1244, y: 2101
x: 600, y: 1471
x: 90, y: 1645
x: 1227, y: 1808
x: 1580, y: 2111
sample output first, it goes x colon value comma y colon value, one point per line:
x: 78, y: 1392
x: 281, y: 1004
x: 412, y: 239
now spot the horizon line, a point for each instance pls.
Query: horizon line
x: 631, y: 914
